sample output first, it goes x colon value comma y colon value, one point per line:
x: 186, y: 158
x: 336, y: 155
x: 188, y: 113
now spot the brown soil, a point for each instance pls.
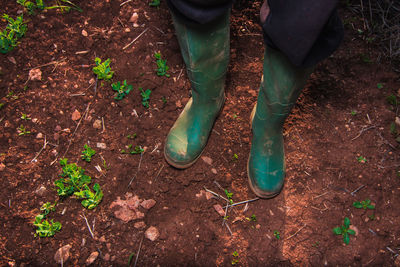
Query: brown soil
x: 323, y: 141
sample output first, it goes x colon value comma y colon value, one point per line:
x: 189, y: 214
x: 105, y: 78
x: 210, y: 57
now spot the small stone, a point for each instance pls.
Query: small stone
x: 148, y: 203
x: 213, y: 170
x: 258, y: 226
x: 101, y: 145
x: 178, y: 104
x: 41, y: 190
x: 355, y: 229
x: 76, y: 115
x: 2, y: 167
x: 84, y: 33
x: 39, y: 136
x: 62, y: 254
x: 139, y: 225
x: 97, y: 124
x: 219, y: 209
x: 92, y: 258
x: 102, y: 239
x: 152, y: 233
x: 397, y: 261
x: 35, y: 75
x: 207, y: 160
x: 208, y: 195
x: 397, y: 121
x: 12, y: 60
x: 134, y: 18
x: 127, y: 30
x: 107, y: 257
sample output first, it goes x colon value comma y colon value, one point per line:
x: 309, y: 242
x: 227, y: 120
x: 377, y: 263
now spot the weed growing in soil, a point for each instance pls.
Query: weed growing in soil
x: 235, y: 156
x: 235, y: 259
x: 22, y: 130
x: 131, y: 136
x: 63, y: 5
x: 145, y: 97
x: 365, y: 204
x: 155, y: 3
x: 277, y: 235
x: 44, y: 227
x: 73, y: 181
x: 25, y: 117
x: 103, y: 69
x: 1, y: 105
x: 361, y: 159
x: 353, y: 113
x: 392, y: 100
x: 14, y: 31
x: 344, y: 230
x: 87, y: 153
x: 252, y: 218
x: 122, y: 90
x: 229, y: 196
x: 162, y: 67
x: 130, y: 150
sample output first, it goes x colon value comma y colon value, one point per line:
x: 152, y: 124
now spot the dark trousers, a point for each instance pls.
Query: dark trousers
x: 306, y: 31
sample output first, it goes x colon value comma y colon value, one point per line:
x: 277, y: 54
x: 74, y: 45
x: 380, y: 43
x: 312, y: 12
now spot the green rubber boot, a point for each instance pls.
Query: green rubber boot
x: 280, y: 87
x: 205, y: 51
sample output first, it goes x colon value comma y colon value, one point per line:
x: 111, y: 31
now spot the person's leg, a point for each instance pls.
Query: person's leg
x: 205, y: 50
x: 287, y: 67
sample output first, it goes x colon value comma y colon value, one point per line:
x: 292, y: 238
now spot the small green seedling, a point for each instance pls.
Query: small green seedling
x: 91, y: 200
x: 131, y: 136
x: 44, y: 227
x: 277, y: 235
x: 121, y: 89
x: 1, y: 105
x: 361, y: 159
x: 393, y: 128
x: 353, y: 112
x: 155, y: 3
x: 130, y: 150
x: 365, y: 204
x: 316, y: 244
x: 344, y: 230
x: 25, y: 117
x: 22, y: 130
x: 252, y: 218
x: 235, y: 259
x: 87, y: 153
x: 229, y: 196
x: 145, y: 97
x: 103, y: 69
x: 235, y: 156
x: 379, y: 85
x: 130, y: 260
x: 392, y: 100
x: 14, y: 31
x: 164, y: 100
x: 162, y: 67
x: 365, y: 58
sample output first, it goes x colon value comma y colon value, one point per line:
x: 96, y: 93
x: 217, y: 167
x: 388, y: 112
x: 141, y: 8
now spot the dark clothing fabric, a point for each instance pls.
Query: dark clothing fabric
x: 306, y: 31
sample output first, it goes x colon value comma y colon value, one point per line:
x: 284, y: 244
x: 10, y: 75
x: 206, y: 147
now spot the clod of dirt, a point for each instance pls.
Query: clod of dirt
x: 214, y: 171
x: 148, y: 203
x: 39, y: 136
x: 128, y: 209
x: 101, y: 145
x: 76, y: 115
x: 107, y: 257
x: 92, y: 258
x: 102, y: 239
x: 97, y: 124
x: 58, y: 128
x: 397, y: 261
x: 84, y: 33
x: 35, y: 75
x: 219, y: 209
x: 139, y: 225
x: 397, y: 121
x: 207, y: 160
x: 152, y: 233
x: 62, y: 254
x: 208, y: 195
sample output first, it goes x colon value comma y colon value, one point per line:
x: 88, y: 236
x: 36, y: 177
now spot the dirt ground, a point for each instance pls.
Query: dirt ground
x: 338, y: 141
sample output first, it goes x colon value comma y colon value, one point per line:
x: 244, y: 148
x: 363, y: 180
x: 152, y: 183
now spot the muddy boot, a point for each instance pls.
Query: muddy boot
x: 280, y: 87
x: 205, y: 51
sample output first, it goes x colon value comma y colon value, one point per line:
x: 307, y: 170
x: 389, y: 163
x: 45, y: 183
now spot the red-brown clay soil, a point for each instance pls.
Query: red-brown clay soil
x: 341, y: 115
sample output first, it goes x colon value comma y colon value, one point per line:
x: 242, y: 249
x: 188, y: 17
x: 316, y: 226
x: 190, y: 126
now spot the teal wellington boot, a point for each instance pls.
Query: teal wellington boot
x: 205, y: 51
x: 280, y: 87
